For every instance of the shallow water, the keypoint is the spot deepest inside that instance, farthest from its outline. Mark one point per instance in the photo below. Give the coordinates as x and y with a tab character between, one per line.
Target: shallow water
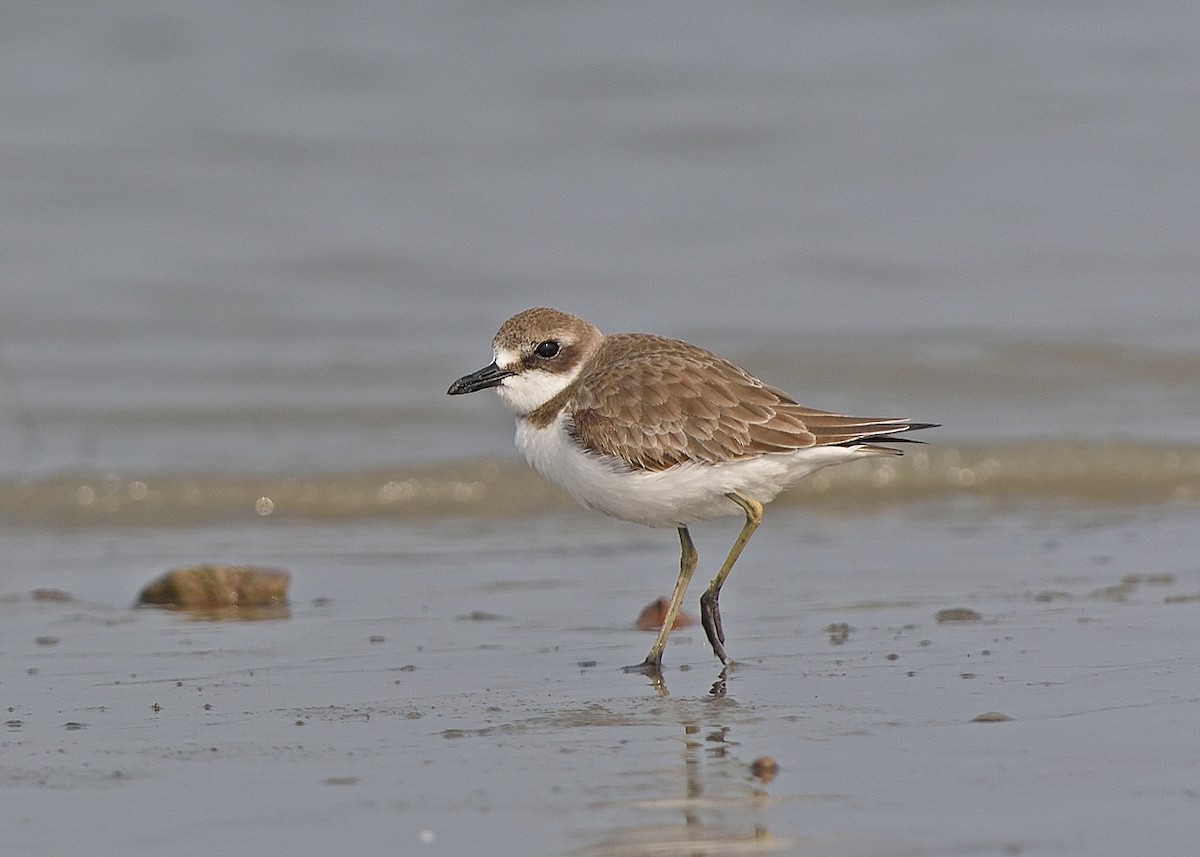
247	248
248	240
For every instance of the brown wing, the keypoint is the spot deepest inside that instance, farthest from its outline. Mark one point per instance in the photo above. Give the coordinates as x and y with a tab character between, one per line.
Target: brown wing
658	402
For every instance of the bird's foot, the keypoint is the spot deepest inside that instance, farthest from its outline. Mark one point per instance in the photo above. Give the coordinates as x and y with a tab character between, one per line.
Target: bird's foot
652	667
710	618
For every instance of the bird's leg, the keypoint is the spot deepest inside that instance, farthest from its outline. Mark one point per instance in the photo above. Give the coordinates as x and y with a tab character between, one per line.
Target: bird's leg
710	612
687	565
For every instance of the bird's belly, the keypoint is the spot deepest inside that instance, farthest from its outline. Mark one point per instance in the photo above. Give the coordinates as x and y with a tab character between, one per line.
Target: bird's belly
674	497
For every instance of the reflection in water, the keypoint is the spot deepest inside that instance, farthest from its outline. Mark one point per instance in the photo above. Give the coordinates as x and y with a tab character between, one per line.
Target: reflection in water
717	801
657	681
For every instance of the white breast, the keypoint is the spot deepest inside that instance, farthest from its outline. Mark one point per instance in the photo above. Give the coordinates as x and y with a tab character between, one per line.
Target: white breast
666	498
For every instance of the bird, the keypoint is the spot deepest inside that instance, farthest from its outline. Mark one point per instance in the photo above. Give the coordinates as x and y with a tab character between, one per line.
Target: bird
661	432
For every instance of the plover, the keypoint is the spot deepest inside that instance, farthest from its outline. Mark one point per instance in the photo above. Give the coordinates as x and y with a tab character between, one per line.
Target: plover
661	432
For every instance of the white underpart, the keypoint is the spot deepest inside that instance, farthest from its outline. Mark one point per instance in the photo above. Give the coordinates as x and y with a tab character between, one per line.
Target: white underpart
529	389
667	498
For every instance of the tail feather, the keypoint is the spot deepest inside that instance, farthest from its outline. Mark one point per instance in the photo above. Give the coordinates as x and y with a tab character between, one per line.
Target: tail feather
887	435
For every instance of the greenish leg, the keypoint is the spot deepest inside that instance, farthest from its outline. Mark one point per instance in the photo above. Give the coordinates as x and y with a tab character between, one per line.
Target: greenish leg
687	565
710	611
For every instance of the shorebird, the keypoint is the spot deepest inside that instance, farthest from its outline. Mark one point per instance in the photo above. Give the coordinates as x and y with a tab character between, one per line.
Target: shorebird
660	432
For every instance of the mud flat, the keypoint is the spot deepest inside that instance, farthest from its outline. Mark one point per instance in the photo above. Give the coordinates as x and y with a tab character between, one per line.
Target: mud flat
1005	683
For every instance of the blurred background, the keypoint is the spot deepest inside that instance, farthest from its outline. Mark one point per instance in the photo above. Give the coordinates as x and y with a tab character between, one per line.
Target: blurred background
262	238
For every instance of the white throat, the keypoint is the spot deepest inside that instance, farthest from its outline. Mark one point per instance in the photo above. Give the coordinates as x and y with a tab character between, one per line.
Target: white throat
529	389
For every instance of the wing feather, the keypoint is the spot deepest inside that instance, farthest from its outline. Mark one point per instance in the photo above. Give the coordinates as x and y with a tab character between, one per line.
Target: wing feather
658	402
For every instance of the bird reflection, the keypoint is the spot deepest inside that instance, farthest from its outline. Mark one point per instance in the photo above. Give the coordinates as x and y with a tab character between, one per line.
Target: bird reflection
719	802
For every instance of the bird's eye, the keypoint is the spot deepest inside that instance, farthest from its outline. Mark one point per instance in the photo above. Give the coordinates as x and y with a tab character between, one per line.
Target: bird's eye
547	349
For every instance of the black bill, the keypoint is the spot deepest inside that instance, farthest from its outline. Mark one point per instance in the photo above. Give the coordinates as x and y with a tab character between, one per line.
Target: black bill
488	376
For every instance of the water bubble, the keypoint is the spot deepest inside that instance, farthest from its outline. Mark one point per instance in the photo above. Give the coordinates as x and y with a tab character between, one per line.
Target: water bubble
885	474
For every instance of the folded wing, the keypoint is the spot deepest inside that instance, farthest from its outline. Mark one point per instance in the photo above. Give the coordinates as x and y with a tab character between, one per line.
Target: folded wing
677	403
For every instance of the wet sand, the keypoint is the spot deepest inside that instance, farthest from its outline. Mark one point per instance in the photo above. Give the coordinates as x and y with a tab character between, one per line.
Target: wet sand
455	688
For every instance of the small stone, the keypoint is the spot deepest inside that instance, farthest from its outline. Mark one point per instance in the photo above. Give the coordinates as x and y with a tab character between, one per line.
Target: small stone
839	632
221	591
991	717
655	613
764	768
958	614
